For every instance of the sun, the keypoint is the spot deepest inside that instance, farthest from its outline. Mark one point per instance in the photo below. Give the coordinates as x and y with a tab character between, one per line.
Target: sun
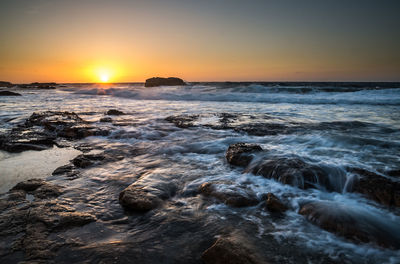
104	77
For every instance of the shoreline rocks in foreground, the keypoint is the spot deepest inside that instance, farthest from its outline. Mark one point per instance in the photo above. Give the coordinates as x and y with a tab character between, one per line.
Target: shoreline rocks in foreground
159	81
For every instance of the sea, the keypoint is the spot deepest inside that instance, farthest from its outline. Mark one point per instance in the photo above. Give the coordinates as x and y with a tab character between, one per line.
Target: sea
331	125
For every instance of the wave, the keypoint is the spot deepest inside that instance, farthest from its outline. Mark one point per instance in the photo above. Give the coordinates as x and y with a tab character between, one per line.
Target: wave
253	93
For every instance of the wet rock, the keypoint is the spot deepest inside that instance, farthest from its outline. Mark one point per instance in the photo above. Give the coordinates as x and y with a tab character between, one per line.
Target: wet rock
274	204
241	154
182	121
8	93
137	198
106	119
42	130
230	195
355	224
376	187
230	250
47	191
39	188
31	227
159	81
266	129
29	185
114	112
297	172
394	173
87	160
63	169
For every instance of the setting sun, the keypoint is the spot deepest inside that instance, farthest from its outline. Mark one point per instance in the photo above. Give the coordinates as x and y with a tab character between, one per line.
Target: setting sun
104	78
104	75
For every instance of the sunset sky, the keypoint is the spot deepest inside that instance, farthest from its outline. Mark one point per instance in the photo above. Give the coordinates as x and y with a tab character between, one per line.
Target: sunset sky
127	40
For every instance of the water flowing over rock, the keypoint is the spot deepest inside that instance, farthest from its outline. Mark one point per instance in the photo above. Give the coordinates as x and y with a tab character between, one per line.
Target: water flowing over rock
159	81
234	196
355	224
240	154
8	93
377	187
274	204
297	172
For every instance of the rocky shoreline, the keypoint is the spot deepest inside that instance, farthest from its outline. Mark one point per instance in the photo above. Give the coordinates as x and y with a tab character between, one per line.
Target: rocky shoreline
35	212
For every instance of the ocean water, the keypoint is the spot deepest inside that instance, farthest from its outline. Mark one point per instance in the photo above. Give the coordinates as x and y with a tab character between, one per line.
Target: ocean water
333	126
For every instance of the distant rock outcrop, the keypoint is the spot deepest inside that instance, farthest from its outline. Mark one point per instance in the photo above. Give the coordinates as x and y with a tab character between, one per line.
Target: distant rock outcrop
8	93
5	84
159	81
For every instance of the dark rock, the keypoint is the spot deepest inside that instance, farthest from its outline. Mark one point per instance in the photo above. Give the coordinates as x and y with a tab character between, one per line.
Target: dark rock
376	187
266	129
297	172
229	250
29	185
63	169
39	188
114	112
42	130
241	154
87	160
106	119
228	194
137	198
394	173
5	84
47	191
8	93
355	224
274	204
182	121
159	81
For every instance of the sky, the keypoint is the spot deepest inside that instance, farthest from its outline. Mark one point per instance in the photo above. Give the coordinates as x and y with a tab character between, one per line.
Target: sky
129	41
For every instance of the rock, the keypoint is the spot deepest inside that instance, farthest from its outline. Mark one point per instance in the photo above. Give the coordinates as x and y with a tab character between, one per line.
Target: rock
115	112
63	169
394	173
274	204
136	198
376	187
241	154
5	84
182	121
32	227
355	224
230	250
87	160
230	195
41	131
297	172
29	185
39	188
159	81
47	191
8	93
106	119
